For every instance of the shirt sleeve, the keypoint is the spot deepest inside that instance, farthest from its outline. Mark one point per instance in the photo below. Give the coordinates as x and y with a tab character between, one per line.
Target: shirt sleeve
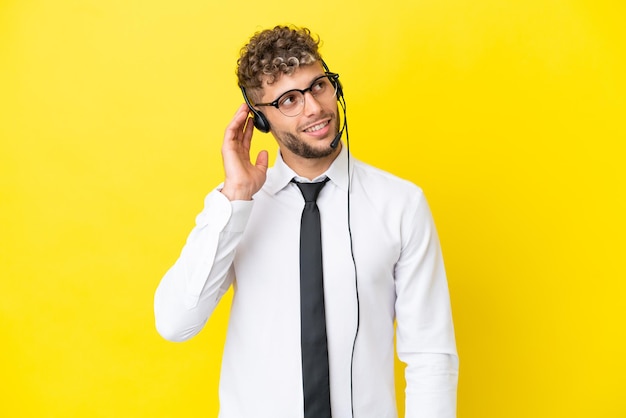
192	287
425	332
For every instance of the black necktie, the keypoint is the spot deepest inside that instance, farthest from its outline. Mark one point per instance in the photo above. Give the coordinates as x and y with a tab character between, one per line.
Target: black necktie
315	378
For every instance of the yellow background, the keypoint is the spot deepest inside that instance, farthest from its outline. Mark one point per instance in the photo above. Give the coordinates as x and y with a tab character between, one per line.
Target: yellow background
509	114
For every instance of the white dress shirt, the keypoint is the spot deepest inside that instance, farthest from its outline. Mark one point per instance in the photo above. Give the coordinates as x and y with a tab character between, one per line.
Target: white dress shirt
254	246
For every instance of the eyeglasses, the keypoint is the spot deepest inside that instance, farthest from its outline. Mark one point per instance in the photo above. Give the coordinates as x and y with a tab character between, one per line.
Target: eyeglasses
291	103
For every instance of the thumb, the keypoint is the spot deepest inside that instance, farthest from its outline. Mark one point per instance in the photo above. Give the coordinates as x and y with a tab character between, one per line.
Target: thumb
261	161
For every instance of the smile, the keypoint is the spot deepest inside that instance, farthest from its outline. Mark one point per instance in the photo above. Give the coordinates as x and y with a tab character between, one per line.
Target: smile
317	127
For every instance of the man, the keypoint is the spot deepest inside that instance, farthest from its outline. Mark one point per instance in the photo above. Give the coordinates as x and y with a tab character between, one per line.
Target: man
379	262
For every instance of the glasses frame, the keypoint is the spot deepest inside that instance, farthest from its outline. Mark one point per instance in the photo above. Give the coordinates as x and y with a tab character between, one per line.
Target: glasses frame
333	77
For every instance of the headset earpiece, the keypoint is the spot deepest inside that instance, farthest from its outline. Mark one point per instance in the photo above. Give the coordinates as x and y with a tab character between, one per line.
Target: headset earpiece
339	87
339	90
259	119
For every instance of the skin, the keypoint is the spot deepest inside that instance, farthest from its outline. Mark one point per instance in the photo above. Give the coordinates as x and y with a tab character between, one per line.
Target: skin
307	153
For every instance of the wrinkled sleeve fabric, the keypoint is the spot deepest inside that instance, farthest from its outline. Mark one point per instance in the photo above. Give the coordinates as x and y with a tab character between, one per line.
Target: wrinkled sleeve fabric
425	332
192	287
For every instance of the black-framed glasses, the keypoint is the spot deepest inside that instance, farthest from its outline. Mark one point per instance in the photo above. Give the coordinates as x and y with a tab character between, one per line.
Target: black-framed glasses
291	102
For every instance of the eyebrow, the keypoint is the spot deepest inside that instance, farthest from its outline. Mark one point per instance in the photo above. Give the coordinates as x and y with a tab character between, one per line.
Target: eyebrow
309	85
287	91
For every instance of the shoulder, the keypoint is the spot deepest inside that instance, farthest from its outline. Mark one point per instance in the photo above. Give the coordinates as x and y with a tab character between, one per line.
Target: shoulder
384	198
375	181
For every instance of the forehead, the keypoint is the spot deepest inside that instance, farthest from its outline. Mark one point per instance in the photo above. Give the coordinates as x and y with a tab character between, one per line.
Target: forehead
301	78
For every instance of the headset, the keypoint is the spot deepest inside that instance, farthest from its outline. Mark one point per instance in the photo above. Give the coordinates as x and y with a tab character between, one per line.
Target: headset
260	121
263	125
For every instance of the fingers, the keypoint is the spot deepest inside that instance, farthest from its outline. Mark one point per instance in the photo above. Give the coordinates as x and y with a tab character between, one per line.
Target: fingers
248	130
262	160
243	179
235	128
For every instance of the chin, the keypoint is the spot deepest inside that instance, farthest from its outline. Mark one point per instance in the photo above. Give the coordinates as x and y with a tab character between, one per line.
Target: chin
300	145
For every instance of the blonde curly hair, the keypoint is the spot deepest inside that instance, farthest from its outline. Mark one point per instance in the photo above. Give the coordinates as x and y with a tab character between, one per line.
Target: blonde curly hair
274	52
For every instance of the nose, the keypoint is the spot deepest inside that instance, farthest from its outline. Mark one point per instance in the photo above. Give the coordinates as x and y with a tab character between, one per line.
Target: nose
311	105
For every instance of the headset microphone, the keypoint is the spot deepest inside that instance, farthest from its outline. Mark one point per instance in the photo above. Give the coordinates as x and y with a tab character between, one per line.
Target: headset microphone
335	142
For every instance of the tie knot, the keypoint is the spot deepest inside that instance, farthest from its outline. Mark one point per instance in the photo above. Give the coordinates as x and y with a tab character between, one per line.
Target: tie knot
310	191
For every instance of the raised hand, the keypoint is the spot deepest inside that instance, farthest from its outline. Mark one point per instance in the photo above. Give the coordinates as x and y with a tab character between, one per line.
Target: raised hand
243	179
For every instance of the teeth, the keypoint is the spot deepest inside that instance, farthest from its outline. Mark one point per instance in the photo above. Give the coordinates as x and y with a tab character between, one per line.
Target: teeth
316	127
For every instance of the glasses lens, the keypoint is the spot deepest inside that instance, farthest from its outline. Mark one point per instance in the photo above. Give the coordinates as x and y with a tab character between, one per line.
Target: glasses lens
292	102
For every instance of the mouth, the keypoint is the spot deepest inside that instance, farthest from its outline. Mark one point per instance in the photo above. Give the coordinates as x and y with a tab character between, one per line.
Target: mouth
318	126
320	129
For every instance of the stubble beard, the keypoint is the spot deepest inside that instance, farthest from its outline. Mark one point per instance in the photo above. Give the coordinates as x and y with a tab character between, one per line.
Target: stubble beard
297	146
300	148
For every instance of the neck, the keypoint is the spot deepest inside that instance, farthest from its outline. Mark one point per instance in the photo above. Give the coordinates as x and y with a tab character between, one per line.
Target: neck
309	168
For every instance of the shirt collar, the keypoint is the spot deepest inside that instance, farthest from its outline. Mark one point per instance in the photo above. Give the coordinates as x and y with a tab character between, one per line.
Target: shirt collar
279	176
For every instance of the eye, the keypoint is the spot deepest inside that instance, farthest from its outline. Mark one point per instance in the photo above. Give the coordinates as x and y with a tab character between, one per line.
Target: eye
319	85
289	99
